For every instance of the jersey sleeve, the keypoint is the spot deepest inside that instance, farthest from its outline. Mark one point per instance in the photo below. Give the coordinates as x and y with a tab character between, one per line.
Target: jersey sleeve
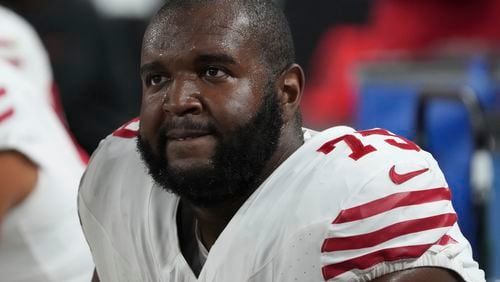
401	217
23	124
21	47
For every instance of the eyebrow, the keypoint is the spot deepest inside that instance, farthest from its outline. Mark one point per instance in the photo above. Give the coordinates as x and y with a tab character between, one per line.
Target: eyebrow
148	67
200	59
215	58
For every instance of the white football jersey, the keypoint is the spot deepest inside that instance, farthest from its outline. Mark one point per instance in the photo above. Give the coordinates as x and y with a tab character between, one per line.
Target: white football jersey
40	238
346	206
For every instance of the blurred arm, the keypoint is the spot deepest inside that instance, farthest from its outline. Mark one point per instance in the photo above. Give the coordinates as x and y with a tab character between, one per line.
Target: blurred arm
18	176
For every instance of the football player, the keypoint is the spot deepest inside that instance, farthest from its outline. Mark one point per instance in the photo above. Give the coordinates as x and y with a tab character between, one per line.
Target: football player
218	181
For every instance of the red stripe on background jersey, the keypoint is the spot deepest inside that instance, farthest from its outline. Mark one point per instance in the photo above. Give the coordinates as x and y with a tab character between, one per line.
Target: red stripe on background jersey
371	259
387	233
6	115
3	91
14	62
391	202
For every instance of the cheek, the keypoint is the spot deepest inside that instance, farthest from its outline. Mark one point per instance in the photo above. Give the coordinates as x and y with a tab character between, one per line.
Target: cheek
236	105
151	117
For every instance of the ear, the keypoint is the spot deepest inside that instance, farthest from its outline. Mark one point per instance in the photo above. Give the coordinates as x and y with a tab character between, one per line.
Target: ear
291	86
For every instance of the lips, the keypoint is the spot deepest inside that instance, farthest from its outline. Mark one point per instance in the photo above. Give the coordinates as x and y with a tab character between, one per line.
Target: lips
185	134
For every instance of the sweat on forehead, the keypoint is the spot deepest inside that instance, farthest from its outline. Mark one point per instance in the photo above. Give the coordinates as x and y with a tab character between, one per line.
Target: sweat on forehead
196	21
259	20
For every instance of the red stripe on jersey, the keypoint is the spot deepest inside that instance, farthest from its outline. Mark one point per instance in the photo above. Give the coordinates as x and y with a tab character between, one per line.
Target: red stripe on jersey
7	114
369	260
3	91
391	202
124	132
445	240
387	233
16	62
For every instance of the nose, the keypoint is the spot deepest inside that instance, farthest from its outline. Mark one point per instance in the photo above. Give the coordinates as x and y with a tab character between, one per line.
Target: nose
183	98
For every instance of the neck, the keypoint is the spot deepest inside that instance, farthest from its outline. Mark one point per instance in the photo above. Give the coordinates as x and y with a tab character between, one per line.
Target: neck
212	220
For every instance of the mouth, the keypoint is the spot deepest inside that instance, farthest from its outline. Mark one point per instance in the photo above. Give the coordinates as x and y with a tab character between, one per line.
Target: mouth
185	146
185	135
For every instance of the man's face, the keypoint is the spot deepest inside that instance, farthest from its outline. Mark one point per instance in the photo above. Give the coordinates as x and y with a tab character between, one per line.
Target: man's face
209	116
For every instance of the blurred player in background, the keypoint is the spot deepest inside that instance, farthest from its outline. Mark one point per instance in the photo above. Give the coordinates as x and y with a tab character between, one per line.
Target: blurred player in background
40	166
237	190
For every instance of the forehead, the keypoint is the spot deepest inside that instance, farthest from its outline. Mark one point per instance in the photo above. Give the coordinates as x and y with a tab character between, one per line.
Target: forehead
203	29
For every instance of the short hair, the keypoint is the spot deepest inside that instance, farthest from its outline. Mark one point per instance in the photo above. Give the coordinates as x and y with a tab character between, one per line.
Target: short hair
268	26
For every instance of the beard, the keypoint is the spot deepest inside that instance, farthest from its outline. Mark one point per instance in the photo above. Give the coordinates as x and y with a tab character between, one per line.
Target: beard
238	160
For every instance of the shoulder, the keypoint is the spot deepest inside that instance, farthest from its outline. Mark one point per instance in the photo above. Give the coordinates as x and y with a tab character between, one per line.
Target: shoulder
22	48
360	157
341	167
13	19
113	157
396	212
115	169
12	25
20	43
120	143
117	204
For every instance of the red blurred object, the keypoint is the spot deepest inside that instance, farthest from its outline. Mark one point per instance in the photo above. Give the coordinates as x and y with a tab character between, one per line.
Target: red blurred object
396	26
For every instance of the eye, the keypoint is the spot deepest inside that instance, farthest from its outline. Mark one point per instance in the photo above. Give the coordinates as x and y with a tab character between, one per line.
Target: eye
155	80
214	72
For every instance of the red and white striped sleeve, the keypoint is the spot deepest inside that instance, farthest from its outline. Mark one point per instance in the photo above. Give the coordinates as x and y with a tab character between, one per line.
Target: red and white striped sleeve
6	108
27	125
402	218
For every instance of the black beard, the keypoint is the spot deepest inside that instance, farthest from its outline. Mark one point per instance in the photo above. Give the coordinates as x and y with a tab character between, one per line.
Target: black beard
237	163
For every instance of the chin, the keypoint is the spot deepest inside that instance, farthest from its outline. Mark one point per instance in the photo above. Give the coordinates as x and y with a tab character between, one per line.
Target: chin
191	165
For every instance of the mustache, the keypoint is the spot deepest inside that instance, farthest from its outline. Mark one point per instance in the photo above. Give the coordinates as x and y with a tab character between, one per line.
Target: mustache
187	124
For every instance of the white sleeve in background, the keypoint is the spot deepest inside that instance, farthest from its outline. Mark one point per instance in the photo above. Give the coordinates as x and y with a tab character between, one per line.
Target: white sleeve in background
41	237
